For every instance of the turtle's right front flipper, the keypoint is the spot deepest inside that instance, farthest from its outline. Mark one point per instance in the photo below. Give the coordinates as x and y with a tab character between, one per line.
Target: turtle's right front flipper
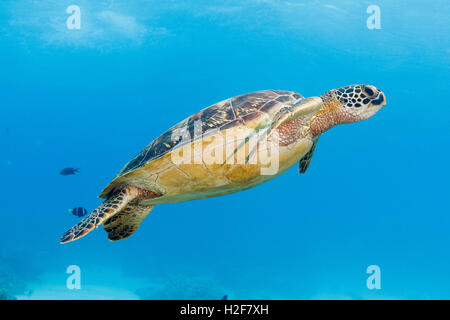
126	222
106	210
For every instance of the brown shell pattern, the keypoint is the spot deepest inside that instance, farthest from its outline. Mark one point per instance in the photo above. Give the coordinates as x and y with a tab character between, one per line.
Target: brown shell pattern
220	116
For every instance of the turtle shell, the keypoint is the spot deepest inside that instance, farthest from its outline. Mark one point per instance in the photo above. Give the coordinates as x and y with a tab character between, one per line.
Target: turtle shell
248	109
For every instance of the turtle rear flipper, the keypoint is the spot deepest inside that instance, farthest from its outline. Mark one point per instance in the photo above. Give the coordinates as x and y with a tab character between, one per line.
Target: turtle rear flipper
126	222
107	209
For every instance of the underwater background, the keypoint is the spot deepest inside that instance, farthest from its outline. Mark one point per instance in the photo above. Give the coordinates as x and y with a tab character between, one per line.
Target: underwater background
376	192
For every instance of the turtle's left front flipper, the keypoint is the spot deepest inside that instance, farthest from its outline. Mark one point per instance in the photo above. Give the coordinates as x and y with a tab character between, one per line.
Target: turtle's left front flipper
107	209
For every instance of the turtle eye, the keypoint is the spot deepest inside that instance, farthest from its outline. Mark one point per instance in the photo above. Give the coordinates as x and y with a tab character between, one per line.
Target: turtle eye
370	91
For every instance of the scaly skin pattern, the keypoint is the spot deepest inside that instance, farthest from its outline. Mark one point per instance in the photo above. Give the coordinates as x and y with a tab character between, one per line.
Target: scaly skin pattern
107	209
345	105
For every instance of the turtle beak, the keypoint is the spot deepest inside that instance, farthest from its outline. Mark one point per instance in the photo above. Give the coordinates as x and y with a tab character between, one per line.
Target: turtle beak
380	100
383	97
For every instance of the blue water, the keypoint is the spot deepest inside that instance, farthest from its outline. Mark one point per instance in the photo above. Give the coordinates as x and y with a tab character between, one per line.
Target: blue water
376	192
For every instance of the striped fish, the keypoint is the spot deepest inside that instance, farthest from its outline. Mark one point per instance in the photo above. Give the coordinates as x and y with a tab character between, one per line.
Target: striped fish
78	211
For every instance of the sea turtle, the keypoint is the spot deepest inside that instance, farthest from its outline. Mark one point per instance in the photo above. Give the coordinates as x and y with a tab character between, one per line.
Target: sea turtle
224	149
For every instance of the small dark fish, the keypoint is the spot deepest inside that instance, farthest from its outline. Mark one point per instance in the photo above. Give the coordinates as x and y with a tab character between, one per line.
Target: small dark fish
225	297
69	171
78	211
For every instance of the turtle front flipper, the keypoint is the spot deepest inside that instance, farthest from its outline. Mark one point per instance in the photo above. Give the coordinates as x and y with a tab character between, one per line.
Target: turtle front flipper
126	222
304	162
107	209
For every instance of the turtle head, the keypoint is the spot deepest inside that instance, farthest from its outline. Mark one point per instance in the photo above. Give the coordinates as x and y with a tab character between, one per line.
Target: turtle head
347	104
358	102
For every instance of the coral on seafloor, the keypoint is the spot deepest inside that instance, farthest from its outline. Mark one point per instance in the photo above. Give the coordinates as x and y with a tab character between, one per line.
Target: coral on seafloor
180	287
18	269
6	295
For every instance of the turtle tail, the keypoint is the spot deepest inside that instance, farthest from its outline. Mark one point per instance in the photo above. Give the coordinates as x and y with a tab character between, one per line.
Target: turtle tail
107	209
